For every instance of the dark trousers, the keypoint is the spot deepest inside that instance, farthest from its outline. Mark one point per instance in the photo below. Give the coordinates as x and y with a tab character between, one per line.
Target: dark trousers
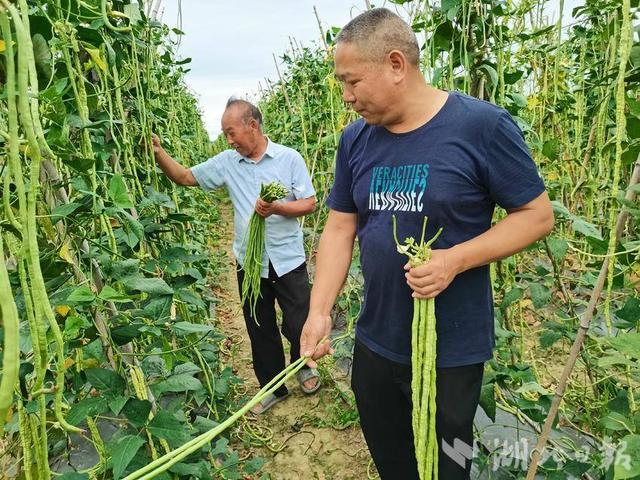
383	395
292	293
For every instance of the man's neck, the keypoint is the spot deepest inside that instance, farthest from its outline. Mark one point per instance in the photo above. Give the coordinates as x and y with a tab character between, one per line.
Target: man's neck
261	148
421	104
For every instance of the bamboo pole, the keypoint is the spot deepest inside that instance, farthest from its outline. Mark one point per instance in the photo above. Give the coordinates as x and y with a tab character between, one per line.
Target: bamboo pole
324	41
282	84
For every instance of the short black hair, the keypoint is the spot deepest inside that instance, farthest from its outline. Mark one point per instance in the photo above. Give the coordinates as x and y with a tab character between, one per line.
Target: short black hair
379	31
250	110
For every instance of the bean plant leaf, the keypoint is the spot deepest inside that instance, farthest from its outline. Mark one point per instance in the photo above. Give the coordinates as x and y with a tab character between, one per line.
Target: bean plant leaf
193	470
511	296
110	294
185	328
106	381
153	286
177	383
558	247
118	192
137	411
81	295
635	56
166	425
87	407
96	56
492	73
64	210
587	229
540	295
123	452
42	55
626	343
117	403
551	149
616	422
630	311
488	400
560	209
74	476
132	11
548	338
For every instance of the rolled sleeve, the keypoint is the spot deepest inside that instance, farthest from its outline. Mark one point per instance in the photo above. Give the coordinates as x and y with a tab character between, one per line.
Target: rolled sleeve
211	173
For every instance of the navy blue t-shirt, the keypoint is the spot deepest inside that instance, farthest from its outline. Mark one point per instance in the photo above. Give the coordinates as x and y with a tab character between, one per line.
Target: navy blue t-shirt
454	169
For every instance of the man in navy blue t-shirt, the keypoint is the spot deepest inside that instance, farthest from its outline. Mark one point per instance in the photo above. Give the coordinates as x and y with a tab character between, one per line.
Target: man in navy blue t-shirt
419	151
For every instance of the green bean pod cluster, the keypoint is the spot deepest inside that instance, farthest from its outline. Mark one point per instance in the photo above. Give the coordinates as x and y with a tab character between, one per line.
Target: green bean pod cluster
423	362
252	264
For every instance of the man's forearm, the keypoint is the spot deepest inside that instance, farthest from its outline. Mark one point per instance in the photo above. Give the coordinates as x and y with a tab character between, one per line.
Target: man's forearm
172	169
297	208
332	264
510	235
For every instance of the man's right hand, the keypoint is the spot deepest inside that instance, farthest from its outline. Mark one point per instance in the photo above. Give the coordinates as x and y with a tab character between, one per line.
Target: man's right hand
176	172
155	141
316	328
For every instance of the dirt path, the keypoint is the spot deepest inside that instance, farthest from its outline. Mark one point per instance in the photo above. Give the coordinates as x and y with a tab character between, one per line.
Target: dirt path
298	427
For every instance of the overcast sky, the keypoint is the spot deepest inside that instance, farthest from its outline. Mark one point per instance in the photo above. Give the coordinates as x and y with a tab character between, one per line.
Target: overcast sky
232	43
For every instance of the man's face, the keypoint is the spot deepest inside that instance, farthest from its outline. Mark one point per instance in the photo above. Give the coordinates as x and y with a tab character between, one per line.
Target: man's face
240	135
367	85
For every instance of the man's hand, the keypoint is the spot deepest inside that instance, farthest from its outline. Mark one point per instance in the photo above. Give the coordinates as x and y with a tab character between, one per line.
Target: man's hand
266	209
433	277
155	141
176	172
316	328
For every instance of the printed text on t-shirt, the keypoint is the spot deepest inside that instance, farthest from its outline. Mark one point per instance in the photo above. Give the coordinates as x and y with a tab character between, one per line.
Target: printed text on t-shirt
400	188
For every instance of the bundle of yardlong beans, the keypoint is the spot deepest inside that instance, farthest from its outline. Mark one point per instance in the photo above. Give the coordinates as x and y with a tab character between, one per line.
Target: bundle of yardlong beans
252	266
423	362
168	460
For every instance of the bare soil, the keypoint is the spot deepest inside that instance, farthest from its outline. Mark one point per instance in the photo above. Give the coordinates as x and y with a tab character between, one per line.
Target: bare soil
296	443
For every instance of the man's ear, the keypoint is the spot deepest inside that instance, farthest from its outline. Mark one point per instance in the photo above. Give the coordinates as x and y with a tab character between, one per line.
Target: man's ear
398	63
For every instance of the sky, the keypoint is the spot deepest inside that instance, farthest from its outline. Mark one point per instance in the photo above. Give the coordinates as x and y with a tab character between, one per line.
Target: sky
231	43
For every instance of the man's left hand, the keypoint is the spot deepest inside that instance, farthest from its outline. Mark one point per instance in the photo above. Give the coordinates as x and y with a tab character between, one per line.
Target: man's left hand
266	209
430	279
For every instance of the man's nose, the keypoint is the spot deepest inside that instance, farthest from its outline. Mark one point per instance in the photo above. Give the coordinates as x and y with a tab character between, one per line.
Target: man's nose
348	96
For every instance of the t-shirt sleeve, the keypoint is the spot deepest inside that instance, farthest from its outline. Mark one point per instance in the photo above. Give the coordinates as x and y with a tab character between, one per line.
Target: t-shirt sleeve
301	185
341	196
512	176
211	173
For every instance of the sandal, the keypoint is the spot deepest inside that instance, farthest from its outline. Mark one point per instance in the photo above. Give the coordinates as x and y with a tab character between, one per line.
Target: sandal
305	375
267	402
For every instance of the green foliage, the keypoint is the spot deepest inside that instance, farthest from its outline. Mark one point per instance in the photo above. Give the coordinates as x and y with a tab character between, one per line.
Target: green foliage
125	256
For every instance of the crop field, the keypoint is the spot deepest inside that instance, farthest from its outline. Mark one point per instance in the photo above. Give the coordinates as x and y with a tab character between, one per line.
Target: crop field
123	351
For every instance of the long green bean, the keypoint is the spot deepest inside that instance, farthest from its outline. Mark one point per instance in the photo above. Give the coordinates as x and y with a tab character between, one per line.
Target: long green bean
11	355
252	263
423	362
166	461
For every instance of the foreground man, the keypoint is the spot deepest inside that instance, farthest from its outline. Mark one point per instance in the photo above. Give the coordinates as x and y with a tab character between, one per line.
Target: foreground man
255	160
419	151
